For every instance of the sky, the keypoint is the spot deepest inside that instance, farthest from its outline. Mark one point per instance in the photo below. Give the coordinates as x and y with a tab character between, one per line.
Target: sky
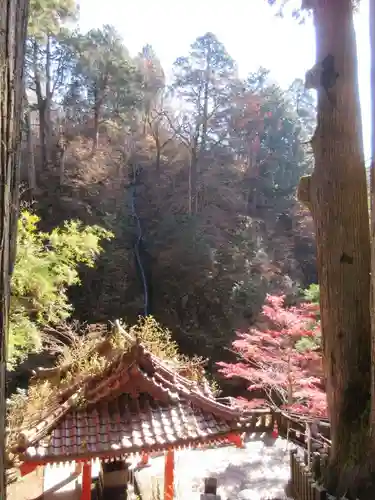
249	29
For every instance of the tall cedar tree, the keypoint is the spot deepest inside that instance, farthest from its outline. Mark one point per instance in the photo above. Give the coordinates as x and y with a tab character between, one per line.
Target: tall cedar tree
336	195
13	27
372	198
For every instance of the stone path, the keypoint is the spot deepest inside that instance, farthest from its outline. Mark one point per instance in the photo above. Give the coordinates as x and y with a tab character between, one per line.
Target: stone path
27	488
259	471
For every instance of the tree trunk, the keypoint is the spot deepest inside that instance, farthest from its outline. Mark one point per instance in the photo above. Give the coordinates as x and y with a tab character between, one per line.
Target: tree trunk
48	103
372	200
206	96
41	103
336	194
158	153
13	25
203	135
95	139
193	174
42	132
99	95
31	173
61	150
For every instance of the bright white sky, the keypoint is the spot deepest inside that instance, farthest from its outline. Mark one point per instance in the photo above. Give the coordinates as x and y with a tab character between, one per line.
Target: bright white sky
248	28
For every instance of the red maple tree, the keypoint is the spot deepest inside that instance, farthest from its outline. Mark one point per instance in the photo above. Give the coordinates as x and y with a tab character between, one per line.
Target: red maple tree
282	356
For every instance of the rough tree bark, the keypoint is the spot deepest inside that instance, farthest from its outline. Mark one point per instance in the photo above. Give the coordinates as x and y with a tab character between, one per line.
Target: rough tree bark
336	194
372	201
13	26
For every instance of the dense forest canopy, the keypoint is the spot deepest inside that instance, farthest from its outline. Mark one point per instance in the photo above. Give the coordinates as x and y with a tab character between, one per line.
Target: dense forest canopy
196	178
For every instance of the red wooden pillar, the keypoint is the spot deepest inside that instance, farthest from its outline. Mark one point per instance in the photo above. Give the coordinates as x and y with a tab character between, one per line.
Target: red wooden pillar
169	476
236	439
86	481
144	460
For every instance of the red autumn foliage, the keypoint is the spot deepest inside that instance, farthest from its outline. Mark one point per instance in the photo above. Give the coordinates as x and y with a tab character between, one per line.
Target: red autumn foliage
282	356
248	120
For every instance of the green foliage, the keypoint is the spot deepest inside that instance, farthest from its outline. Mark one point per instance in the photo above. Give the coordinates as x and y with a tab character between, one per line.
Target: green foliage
149	66
207	66
312	294
309	343
46	265
48	51
47	16
204	82
103	77
288	122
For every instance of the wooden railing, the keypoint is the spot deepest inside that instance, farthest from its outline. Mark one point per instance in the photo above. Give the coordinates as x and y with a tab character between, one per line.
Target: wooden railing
259	421
306	476
309	434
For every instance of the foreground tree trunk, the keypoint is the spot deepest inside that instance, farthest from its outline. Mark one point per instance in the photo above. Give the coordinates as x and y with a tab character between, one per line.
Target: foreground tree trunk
336	194
372	200
13	25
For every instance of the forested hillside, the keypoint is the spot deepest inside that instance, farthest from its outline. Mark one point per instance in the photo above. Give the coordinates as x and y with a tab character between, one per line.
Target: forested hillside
195	176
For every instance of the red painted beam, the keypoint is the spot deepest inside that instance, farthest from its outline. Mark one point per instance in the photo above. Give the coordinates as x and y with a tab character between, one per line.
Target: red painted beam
27	468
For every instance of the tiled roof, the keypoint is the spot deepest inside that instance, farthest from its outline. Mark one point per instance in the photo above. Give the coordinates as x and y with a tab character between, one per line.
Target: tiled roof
138	403
129	425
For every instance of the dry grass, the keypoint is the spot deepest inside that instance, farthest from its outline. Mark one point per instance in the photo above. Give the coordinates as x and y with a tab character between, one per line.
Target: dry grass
159	342
29	405
88	355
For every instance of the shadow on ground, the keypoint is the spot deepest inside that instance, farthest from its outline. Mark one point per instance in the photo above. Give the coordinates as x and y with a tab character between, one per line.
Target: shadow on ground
258	471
